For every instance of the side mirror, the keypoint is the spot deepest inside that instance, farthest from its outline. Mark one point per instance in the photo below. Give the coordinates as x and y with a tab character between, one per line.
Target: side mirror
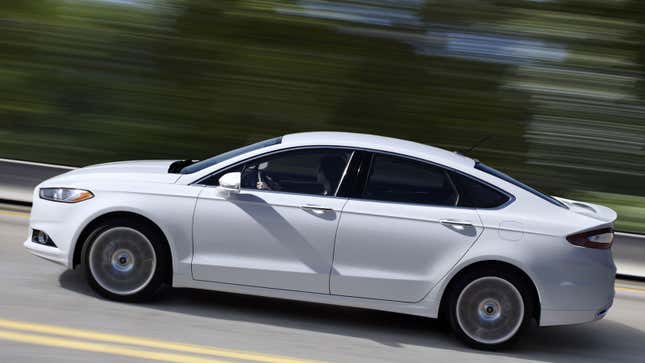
230	182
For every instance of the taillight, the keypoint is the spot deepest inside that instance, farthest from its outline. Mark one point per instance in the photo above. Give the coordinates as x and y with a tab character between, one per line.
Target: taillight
599	238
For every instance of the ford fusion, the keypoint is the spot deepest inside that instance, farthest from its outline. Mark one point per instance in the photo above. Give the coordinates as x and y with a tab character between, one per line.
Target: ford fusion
336	218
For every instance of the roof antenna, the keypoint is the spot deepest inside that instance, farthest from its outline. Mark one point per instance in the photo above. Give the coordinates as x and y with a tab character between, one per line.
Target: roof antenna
483	140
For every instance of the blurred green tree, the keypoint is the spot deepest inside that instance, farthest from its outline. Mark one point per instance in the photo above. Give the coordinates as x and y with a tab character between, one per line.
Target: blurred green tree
557	85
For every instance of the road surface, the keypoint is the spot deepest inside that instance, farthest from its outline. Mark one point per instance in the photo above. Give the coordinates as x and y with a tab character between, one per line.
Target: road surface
48	314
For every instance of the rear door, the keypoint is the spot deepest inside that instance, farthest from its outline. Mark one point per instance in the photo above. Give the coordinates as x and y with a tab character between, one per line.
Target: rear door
401	231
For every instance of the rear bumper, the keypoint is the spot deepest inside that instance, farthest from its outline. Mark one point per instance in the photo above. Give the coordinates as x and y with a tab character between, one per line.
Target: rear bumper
569	317
576	286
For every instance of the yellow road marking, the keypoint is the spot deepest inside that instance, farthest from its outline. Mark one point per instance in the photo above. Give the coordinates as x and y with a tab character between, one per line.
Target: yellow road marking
148	343
102	348
13	214
629	289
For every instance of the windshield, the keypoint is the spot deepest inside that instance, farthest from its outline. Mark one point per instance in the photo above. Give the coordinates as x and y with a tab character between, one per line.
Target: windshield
487	169
229	154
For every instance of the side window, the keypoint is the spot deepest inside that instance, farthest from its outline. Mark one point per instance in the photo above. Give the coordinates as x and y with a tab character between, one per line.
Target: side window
308	171
396	179
475	194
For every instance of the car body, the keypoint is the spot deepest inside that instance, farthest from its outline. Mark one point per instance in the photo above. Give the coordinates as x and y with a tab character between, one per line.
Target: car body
338	218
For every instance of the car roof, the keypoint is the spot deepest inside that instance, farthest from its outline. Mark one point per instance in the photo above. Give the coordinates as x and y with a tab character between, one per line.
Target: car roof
374	142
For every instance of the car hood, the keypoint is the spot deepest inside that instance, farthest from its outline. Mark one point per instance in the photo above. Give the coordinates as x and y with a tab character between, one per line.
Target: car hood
595	211
154	171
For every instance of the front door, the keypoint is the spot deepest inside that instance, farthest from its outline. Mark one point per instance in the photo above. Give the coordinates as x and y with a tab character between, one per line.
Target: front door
278	231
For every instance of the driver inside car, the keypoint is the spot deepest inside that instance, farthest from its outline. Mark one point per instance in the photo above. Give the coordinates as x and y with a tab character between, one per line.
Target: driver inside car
265	182
326	178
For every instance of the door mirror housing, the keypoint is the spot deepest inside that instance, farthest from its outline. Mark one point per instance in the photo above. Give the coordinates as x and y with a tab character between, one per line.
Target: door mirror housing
231	182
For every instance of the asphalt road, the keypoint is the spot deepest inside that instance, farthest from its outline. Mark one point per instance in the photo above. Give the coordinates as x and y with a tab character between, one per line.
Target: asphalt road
48	314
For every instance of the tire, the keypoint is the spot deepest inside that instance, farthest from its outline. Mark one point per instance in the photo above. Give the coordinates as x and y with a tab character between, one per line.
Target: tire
489	309
126	260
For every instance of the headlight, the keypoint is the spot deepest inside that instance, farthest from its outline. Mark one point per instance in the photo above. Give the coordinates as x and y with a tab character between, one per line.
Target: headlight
65	195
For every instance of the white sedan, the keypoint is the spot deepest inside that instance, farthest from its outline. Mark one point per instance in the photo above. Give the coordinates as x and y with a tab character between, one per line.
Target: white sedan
336	218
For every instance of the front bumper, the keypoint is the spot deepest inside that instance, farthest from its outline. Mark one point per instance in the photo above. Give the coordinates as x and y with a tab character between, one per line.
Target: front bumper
49	253
61	222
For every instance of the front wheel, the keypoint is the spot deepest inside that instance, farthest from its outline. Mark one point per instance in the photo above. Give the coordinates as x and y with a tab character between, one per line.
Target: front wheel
125	261
488	310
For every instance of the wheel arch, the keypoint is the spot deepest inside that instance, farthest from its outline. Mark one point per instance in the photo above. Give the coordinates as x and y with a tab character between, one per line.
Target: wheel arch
114	215
497	265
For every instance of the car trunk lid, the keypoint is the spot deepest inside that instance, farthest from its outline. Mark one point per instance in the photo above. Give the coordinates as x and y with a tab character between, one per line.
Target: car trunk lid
595	211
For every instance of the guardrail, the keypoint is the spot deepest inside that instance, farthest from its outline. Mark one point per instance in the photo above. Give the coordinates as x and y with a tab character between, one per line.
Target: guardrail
19	178
629	254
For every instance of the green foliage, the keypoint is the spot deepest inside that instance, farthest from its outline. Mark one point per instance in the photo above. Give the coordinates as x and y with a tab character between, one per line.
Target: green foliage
630	208
91	81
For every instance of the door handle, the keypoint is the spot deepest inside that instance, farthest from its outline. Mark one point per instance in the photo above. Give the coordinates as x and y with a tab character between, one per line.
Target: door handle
452	222
313	207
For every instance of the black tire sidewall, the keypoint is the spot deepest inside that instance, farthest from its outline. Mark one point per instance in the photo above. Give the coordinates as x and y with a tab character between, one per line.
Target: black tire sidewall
160	275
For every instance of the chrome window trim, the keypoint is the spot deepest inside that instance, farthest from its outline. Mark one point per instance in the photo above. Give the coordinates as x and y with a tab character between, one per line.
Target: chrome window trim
511	197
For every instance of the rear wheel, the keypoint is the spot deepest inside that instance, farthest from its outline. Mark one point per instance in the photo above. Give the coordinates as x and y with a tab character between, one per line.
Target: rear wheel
125	261
488	309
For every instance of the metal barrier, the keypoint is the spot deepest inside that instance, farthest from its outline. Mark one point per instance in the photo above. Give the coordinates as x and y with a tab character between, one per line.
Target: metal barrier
19	178
629	254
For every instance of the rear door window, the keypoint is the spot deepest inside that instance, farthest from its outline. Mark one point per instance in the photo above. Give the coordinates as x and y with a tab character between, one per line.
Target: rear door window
396	179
